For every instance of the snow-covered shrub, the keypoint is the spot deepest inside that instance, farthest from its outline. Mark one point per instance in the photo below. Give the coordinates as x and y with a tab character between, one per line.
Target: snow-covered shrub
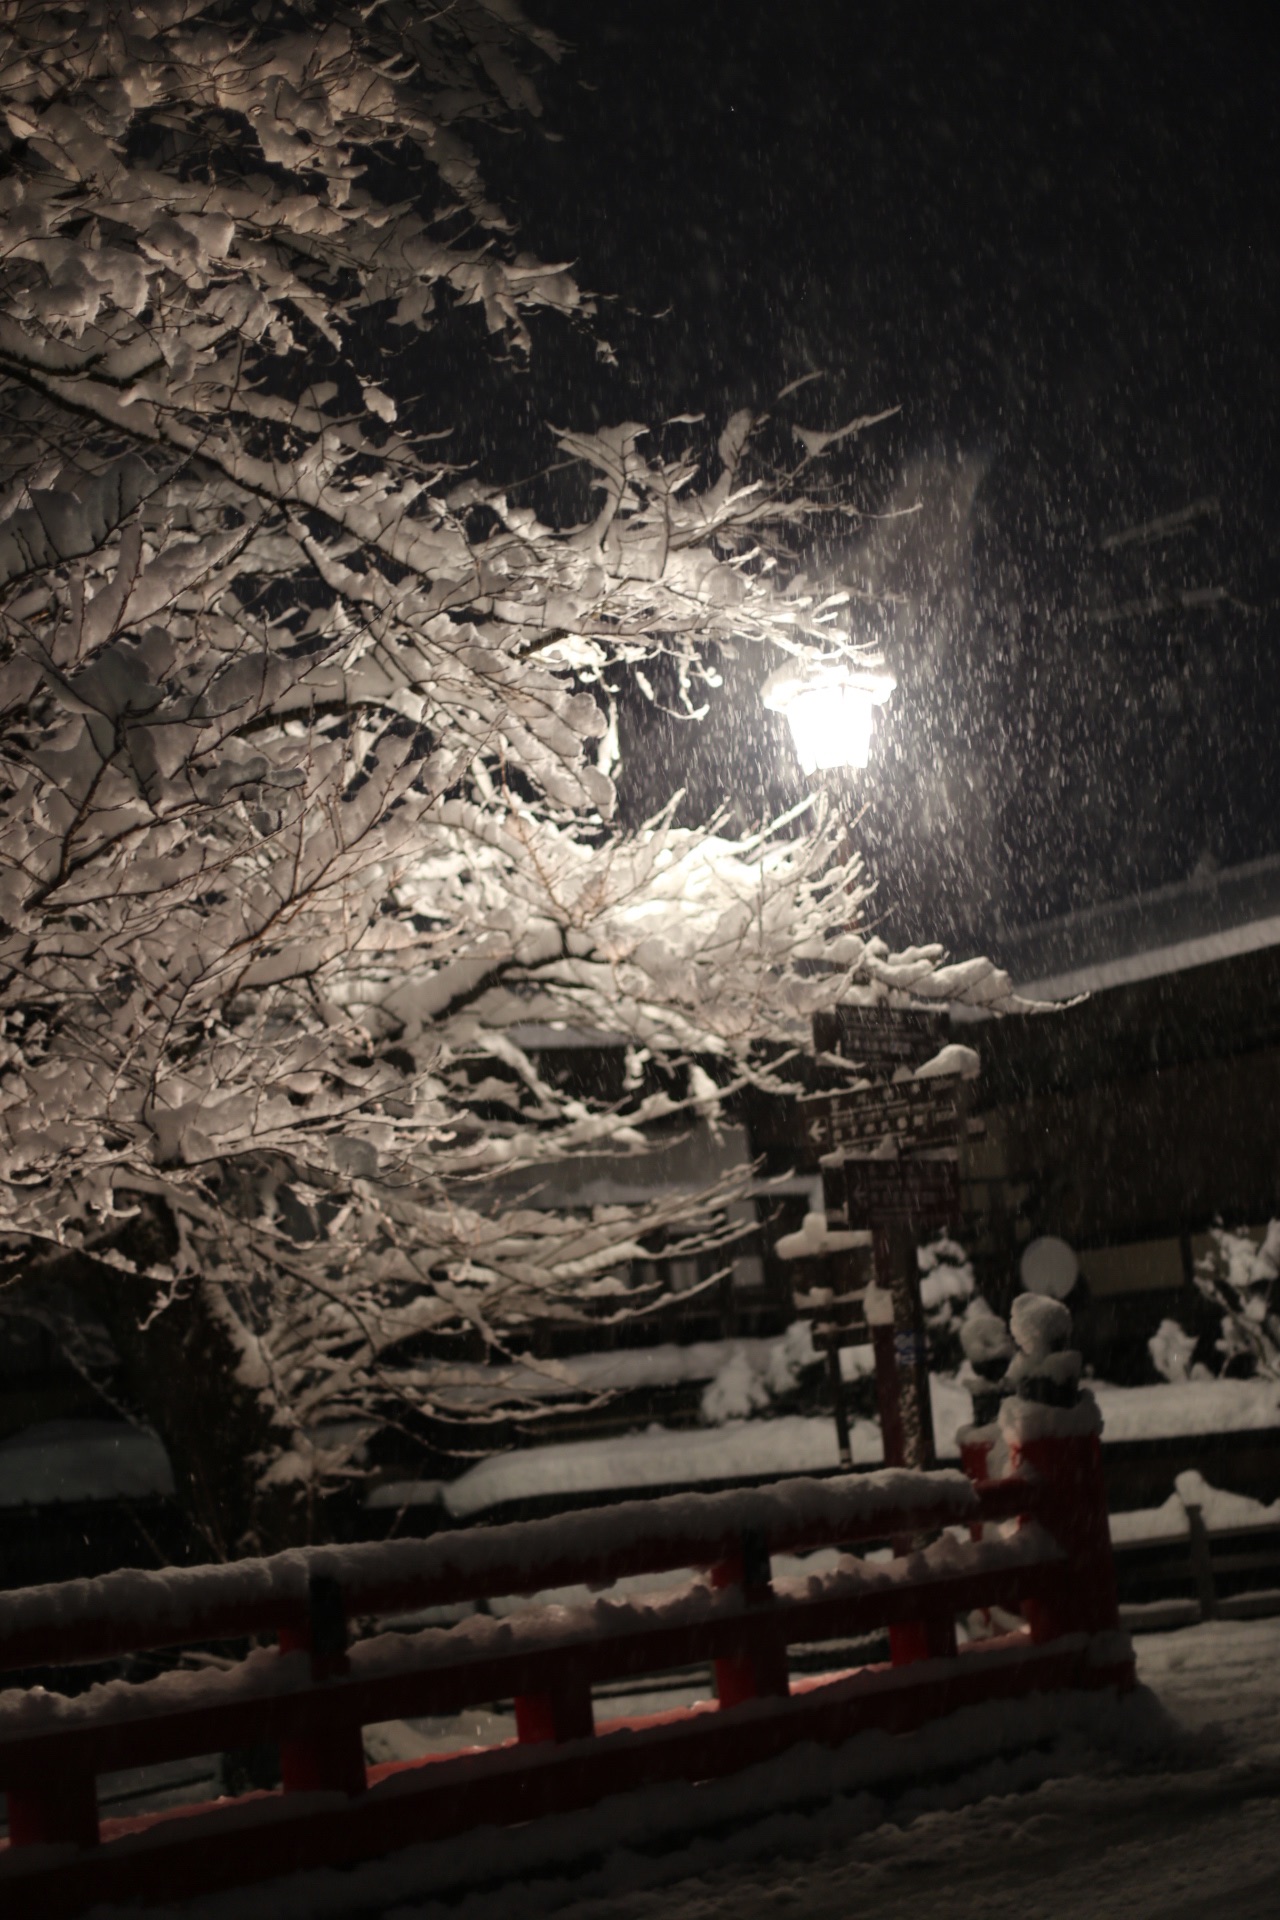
737	1391
985	1339
1029	1360
988	1348
750	1380
1238	1276
1173	1354
1044	1368
947	1288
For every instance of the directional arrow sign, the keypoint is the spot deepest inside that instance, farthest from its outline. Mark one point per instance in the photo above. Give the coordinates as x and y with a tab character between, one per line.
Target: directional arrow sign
912	1113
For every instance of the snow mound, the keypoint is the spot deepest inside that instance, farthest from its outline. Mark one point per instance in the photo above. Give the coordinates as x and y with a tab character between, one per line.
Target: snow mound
68	1460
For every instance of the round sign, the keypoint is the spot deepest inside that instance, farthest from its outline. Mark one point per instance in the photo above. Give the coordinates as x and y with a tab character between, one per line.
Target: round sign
1049	1266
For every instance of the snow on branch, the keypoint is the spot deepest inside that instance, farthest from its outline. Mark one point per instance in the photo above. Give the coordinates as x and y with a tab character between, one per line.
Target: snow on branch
306	726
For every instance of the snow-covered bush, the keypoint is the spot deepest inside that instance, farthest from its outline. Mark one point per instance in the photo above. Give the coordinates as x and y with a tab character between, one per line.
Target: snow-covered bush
1173	1352
738	1391
1238	1277
306	738
947	1288
750	1381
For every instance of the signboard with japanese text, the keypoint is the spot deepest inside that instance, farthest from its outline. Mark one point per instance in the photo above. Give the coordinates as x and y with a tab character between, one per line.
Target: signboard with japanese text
879	1038
923	1193
910	1113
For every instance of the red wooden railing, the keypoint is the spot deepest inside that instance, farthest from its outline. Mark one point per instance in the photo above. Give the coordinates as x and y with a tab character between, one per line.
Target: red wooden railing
313	1696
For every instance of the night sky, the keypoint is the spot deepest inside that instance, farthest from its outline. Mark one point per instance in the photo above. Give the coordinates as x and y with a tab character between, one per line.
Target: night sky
1050	235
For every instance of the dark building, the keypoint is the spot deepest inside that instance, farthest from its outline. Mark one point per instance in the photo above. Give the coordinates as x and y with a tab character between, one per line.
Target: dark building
1134	1120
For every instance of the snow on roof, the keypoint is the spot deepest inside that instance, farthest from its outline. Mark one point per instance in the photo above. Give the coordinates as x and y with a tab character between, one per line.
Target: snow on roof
1212	916
796	1443
671	1457
65	1460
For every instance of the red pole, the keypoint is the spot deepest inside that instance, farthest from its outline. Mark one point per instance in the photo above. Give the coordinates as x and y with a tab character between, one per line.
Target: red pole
1072	1504
332	1758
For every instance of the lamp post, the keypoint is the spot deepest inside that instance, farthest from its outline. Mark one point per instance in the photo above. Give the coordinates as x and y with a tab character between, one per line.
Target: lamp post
830	708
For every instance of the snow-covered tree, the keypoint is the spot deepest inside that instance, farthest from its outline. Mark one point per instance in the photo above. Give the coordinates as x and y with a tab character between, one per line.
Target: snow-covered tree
306	737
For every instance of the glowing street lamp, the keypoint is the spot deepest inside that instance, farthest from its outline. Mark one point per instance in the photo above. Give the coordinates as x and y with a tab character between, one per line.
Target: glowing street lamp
829	707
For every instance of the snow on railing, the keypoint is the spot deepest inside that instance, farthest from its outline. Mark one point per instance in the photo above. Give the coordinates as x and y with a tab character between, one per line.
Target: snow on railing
313	1697
125	1612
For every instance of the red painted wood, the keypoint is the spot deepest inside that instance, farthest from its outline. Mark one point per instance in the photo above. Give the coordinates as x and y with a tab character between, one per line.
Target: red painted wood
1073	1506
563	1712
327	1759
537	1562
592	1660
929	1639
743	1629
58	1812
179	1856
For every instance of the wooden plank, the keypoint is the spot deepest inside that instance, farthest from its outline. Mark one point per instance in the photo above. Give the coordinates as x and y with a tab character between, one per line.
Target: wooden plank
827	1339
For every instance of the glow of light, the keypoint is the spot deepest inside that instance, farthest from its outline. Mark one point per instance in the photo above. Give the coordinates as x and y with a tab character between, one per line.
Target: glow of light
829	709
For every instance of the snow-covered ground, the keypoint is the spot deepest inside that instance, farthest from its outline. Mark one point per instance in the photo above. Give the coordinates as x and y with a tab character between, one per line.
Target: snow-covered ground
82	1460
72	1460
798	1443
1182	1827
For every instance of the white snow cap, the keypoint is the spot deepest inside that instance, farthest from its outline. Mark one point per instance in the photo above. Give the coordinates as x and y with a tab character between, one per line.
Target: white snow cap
815	1237
983	1334
1048	1266
953	1058
1022	1420
1039	1326
877	1305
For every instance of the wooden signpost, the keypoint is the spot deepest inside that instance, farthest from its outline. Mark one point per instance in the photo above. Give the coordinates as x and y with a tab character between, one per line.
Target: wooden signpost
889	1155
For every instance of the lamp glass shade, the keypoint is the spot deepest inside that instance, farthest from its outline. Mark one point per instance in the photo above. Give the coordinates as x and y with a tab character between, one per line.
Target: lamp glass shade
831	726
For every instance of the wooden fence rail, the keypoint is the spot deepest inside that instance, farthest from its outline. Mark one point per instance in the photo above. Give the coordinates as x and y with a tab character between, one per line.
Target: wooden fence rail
312	1695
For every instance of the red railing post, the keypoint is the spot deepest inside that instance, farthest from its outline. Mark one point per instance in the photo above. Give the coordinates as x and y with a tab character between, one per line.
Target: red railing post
760	1671
563	1713
1071	1501
330	1759
975	1452
55	1815
976	1447
932	1638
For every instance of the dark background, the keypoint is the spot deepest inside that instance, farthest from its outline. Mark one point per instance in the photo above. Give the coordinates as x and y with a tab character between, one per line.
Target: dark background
1049	234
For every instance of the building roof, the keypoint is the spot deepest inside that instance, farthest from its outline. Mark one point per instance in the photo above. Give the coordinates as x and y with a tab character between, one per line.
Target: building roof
1211	916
